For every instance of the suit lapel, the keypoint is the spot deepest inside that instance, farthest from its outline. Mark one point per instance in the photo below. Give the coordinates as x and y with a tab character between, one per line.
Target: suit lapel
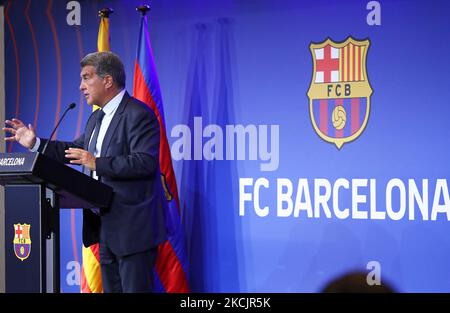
88	132
113	125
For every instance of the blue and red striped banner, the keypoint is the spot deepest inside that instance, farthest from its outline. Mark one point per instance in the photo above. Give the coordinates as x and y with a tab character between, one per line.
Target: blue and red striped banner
171	263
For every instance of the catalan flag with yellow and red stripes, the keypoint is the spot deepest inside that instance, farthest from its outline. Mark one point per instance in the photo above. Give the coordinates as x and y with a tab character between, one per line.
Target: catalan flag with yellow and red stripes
91	278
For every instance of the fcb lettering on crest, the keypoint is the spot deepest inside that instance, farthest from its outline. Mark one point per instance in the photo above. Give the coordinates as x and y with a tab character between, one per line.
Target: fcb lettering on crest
22	241
339	94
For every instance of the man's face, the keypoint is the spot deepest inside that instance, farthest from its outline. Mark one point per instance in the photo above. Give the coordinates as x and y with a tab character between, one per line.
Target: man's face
92	86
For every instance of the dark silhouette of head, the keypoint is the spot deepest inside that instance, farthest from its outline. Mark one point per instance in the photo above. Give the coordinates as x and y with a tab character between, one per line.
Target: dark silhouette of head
355	282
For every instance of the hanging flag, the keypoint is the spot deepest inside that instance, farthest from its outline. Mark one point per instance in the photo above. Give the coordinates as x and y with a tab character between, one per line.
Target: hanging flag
171	263
103	31
91	278
197	215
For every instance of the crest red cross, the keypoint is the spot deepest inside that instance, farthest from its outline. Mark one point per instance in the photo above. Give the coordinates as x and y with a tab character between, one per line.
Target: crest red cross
327	64
18	231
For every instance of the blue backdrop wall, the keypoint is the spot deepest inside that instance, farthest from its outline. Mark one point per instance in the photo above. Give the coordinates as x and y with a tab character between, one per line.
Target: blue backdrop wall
278	208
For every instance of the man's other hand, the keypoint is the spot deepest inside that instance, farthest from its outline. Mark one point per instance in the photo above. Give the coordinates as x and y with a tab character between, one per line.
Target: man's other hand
81	157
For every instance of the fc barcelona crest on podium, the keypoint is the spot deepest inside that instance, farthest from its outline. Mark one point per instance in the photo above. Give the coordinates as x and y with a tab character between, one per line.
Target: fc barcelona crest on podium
339	94
22	241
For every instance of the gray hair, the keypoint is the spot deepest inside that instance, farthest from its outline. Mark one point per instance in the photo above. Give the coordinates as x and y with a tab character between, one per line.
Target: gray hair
106	63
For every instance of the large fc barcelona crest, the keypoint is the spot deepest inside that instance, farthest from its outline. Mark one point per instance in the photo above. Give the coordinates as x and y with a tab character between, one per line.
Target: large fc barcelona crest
339	94
22	241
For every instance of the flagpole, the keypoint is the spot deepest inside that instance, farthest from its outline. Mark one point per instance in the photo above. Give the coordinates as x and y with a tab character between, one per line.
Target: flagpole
143	9
105	12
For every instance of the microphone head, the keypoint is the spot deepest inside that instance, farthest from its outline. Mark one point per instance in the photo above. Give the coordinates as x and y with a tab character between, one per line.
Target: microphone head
72	105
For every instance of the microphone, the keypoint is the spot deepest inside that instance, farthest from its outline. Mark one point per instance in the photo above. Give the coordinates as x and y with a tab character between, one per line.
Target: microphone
70	107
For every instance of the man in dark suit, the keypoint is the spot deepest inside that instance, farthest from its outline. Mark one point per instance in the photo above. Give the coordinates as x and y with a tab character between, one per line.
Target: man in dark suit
120	147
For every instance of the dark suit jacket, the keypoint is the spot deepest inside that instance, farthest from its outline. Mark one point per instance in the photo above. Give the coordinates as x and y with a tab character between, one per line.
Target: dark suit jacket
129	163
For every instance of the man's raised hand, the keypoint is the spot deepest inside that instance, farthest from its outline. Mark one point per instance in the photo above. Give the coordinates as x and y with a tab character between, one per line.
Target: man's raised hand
26	136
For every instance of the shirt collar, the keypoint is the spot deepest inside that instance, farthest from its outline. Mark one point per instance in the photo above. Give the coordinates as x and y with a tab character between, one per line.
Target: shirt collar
113	104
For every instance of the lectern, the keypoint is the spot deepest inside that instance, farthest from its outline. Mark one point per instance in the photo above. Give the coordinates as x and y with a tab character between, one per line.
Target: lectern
36	187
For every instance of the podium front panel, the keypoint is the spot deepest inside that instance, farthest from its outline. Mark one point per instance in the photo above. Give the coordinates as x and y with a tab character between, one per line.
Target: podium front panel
23	250
36	187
